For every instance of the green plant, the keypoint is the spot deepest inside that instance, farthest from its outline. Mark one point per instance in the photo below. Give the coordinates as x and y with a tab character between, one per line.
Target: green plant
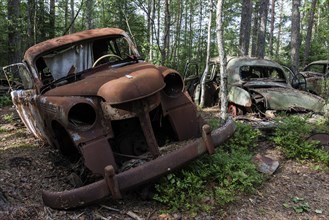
5	100
8	117
290	136
213	180
299	205
213	123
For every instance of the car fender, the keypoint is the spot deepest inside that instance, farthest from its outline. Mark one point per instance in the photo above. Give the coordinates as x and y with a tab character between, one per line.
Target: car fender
239	96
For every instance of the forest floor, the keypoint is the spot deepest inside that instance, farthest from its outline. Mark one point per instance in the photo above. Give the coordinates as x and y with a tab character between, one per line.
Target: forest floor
295	191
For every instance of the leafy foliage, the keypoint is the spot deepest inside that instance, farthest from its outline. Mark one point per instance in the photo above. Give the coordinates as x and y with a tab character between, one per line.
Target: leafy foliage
291	136
5	100
213	180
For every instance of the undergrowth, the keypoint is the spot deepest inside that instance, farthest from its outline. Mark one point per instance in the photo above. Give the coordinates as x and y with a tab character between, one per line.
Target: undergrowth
213	181
5	100
291	136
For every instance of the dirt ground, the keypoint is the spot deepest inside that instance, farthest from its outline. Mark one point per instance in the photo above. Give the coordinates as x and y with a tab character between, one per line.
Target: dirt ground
27	166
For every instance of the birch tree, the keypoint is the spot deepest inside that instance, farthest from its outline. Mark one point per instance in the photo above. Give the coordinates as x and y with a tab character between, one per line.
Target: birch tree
206	70
222	60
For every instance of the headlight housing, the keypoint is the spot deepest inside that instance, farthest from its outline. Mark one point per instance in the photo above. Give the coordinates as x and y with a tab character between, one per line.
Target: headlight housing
82	116
174	84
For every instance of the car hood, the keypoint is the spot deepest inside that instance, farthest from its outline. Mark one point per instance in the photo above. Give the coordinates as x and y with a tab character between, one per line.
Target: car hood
289	99
115	85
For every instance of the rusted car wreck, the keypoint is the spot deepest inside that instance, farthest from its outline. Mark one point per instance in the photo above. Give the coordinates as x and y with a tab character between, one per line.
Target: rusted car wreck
257	85
92	96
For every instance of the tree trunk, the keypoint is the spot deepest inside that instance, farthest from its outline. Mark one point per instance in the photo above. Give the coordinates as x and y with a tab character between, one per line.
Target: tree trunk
89	14
150	26
309	32
30	22
66	14
175	48
262	31
165	38
14	31
277	49
52	19
199	53
272	27
206	70
222	58
255	28
295	35
72	29
245	26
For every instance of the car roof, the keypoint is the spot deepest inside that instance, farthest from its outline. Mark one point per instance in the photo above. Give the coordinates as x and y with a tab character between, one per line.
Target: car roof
250	61
320	62
48	45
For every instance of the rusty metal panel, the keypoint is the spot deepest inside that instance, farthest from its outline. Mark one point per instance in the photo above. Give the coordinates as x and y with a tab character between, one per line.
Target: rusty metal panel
182	114
139	175
97	155
130	109
25	104
135	85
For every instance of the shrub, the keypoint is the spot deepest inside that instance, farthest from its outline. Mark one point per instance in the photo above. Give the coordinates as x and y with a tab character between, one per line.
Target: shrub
213	180
291	135
5	100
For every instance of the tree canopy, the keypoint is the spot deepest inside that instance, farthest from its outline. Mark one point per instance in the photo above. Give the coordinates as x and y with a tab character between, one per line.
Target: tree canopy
172	32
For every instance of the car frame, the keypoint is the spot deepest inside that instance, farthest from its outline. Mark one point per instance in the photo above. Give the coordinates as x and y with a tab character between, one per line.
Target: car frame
316	76
108	113
248	93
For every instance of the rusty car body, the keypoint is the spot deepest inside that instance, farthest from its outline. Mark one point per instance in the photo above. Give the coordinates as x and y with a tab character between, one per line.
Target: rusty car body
256	85
316	77
90	95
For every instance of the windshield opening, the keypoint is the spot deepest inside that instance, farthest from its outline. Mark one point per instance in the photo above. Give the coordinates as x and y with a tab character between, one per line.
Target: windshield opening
76	58
261	72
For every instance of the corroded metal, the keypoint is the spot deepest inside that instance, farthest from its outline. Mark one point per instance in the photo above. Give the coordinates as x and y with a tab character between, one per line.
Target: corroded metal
206	135
107	113
139	175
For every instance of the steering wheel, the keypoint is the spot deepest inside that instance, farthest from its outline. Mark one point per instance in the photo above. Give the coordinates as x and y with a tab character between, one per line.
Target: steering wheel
299	82
104	56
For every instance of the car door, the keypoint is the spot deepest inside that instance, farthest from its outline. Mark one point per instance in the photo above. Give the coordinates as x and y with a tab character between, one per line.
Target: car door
24	95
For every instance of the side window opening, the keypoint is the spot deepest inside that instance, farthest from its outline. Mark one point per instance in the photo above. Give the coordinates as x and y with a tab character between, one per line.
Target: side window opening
18	76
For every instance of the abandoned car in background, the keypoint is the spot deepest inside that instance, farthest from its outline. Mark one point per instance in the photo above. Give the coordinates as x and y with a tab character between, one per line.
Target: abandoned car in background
92	96
255	85
316	77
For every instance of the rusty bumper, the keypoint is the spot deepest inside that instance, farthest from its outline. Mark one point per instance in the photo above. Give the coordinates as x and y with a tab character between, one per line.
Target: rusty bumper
113	184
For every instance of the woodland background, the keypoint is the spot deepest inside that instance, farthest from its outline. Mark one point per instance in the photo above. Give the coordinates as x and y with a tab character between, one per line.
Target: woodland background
172	32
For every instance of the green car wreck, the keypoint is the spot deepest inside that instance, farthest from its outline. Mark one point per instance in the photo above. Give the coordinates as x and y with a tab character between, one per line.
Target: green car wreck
257	85
316	77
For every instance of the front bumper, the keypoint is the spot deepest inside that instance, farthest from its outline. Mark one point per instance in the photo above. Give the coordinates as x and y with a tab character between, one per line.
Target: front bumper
114	184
